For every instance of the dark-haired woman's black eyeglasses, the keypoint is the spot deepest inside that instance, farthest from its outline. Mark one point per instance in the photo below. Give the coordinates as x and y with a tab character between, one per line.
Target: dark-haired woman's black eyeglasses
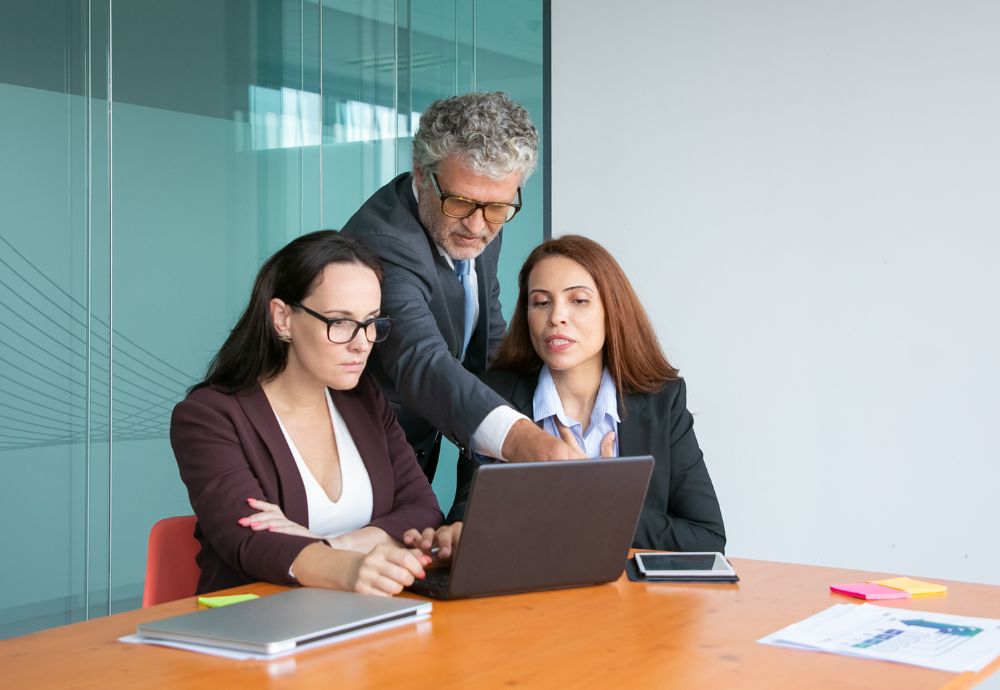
342	330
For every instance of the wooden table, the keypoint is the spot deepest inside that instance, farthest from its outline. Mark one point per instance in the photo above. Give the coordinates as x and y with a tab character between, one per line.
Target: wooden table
624	635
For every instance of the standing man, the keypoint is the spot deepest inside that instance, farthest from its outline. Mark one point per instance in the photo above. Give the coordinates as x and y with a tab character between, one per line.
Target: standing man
437	231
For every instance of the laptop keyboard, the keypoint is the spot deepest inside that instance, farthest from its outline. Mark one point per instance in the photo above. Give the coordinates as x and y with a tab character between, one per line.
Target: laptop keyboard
435	584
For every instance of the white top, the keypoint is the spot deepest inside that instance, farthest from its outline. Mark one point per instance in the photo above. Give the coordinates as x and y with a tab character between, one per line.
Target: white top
354	508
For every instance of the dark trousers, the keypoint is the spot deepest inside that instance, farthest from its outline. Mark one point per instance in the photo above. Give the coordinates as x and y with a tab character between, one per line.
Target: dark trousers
427	450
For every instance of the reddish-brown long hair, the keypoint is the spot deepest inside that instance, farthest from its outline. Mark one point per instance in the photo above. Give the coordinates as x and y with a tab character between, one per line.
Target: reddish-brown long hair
632	351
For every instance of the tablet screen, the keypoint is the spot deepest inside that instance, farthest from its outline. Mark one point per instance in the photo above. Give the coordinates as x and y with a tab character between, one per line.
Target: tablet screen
683	563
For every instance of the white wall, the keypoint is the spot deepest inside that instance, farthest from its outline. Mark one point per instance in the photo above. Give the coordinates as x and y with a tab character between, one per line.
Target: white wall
807	197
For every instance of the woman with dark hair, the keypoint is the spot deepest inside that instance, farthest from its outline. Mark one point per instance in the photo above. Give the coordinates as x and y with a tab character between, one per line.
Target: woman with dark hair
294	463
582	360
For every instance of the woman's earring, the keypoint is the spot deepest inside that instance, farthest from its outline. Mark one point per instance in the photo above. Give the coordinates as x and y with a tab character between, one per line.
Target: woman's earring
284	337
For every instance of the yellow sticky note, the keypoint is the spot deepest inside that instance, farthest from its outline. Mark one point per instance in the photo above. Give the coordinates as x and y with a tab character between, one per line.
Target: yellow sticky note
916	588
216	602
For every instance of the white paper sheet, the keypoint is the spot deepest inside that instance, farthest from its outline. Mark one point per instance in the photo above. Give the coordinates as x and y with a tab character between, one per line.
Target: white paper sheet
933	640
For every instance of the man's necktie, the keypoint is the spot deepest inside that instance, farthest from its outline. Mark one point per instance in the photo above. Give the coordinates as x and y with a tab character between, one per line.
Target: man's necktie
463	268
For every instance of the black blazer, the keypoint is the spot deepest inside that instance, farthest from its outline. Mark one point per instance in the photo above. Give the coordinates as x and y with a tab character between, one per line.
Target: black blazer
230	448
681	511
418	364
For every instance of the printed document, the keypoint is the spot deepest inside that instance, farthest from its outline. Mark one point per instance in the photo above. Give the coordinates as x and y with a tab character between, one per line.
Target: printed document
934	640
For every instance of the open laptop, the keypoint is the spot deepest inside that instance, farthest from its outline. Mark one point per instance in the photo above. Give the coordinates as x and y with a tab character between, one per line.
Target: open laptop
544	525
287	620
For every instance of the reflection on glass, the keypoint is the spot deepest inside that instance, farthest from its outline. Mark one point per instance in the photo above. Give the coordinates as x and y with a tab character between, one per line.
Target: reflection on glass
288	118
353	121
277	117
283	118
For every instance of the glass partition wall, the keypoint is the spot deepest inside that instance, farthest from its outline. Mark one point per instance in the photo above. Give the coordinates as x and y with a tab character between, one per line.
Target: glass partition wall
154	154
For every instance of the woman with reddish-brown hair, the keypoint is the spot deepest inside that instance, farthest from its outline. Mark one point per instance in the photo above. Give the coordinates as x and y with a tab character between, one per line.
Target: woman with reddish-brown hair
582	360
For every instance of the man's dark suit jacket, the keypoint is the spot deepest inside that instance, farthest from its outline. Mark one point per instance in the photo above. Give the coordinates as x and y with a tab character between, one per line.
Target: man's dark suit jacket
230	448
681	512
418	364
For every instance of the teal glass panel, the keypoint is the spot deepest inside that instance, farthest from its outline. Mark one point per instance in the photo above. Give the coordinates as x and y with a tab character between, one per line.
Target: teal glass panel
360	121
54	326
215	167
509	53
97	539
136	218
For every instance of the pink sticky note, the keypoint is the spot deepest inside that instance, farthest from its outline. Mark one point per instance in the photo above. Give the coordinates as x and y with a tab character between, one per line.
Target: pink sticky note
865	590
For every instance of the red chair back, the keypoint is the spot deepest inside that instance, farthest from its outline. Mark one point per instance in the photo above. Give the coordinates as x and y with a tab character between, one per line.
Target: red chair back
171	571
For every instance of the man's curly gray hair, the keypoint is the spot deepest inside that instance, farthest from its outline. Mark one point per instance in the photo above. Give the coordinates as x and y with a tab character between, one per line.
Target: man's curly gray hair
488	131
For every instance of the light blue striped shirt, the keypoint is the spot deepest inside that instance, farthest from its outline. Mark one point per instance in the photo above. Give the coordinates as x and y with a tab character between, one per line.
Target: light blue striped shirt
603	418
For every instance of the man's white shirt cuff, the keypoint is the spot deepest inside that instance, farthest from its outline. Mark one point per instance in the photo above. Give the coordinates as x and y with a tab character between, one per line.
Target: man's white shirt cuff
492	432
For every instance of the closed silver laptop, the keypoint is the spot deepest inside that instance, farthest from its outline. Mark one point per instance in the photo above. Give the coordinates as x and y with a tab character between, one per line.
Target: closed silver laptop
285	621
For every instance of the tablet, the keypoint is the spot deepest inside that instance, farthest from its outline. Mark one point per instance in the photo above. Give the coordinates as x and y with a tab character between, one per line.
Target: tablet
700	564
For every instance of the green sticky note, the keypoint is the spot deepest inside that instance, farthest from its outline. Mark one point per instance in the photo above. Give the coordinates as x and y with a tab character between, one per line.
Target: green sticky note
216	602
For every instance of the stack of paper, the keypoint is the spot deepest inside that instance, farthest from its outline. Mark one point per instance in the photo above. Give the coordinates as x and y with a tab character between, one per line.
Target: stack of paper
935	640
